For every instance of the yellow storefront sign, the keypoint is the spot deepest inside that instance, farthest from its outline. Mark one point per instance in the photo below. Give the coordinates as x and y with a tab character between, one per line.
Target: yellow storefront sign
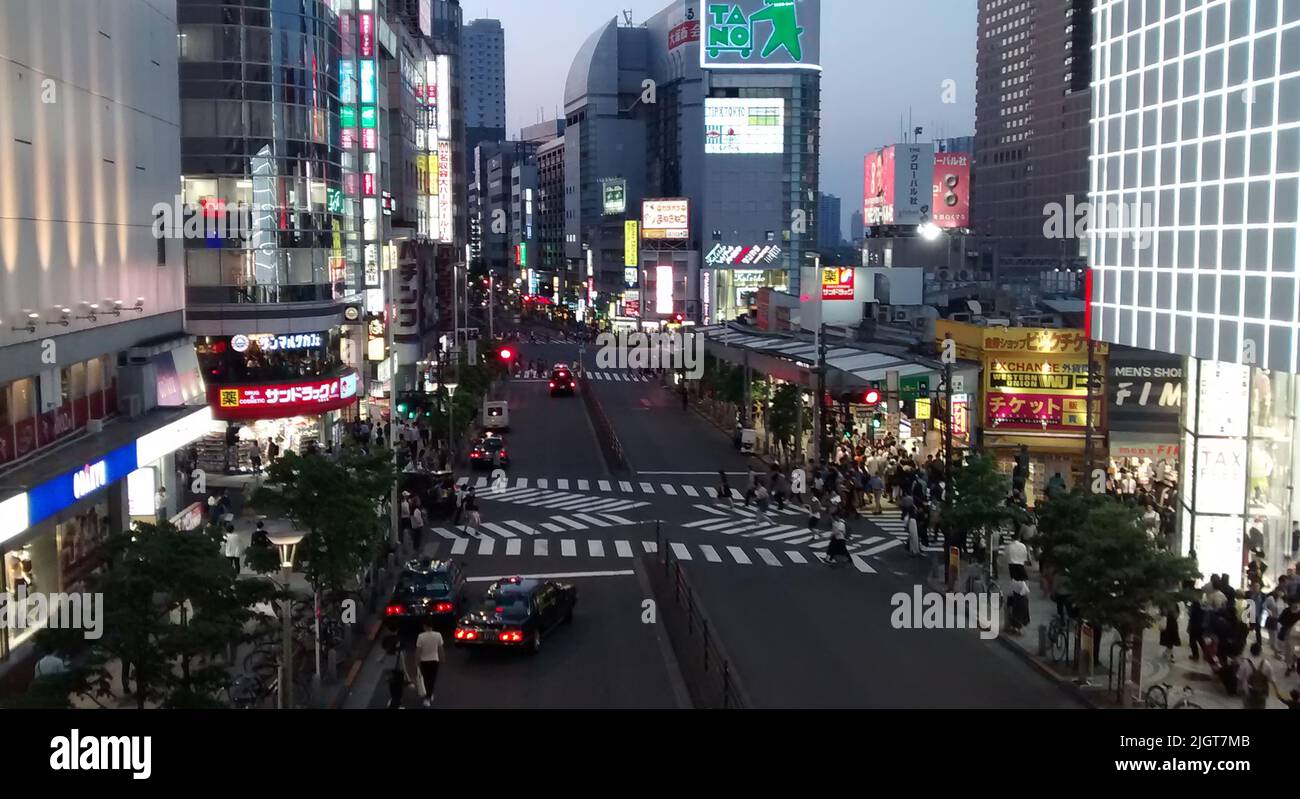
631	243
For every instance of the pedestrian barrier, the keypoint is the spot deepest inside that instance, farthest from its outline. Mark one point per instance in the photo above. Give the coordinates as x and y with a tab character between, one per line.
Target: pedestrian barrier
609	442
707	670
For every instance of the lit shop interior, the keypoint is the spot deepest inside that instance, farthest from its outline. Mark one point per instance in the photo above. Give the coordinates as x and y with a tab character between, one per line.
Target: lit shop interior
1239	454
734	292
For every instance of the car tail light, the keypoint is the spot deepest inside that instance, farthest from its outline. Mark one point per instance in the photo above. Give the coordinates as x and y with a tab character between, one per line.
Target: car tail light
511	636
470	635
552	384
442	607
476	454
395	610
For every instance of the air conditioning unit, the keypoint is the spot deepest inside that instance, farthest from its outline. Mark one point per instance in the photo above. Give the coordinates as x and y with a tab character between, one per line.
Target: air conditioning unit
960	317
95	426
131	405
943	275
965	274
902	316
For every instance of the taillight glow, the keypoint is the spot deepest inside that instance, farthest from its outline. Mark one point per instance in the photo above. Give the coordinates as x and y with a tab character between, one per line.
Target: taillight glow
395	610
511	636
442	607
552	384
460	635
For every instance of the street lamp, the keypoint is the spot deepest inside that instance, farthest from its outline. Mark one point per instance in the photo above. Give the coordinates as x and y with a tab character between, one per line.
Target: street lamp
929	231
287	542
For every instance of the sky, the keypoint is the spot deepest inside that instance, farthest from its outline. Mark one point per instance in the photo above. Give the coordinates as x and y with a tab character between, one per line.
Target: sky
880	59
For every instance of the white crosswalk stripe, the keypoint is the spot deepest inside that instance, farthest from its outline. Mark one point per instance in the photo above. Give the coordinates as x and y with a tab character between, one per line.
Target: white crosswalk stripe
603	485
591	520
596	548
623	548
563	485
554	528
513	546
647	488
521	527
862	565
650	547
739	556
481	483
617	519
668	489
541	547
690	491
795	557
583	485
486	545
876	550
710	554
569	548
624	485
498	529
522	482
570	523
542	482
445	533
680	551
767	556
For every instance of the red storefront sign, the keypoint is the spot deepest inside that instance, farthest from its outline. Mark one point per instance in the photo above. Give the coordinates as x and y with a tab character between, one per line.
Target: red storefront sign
1043	412
688	31
284	399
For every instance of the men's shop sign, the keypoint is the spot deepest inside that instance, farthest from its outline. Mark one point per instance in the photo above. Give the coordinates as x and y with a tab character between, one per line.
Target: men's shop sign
282	400
1145	391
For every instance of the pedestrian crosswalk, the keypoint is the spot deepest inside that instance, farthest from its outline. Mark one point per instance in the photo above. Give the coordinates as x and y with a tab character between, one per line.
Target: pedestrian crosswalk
503	487
893	526
622	549
621	377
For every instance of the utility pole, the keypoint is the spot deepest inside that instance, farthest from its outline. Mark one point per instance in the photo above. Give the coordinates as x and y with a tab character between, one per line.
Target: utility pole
819	432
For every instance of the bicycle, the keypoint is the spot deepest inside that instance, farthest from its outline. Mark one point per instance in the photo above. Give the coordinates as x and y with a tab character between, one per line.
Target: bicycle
1058	638
1157	698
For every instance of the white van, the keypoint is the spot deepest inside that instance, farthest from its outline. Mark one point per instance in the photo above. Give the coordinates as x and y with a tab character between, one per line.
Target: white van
496	415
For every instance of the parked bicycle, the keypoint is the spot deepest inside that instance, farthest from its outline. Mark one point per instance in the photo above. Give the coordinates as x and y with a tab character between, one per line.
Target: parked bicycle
1157	698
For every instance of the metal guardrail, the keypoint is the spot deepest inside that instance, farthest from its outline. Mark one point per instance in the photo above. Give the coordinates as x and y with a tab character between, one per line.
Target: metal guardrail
719	676
604	429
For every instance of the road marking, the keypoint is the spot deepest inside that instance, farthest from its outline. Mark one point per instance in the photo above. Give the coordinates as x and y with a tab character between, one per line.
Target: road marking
681	551
481	483
650	547
782	536
542	482
888	545
569	548
603	484
700	523
711	509
796	557
561	484
522	482
727	527
739	555
445	533
554	528
498	529
523	528
690	491
711	491
459	546
735	494
862	565
596	548
647	488
565	520
513	546
541	547
875	539
583	485
624	485
618	519
623	548
486	545
668	489
710	554
591	520
557	576
462	482
767	557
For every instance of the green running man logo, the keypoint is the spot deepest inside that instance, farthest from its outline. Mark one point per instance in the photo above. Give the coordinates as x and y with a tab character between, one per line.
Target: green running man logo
731	32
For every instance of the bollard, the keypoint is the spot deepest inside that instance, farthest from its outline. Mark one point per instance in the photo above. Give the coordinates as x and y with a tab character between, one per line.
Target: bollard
1042	640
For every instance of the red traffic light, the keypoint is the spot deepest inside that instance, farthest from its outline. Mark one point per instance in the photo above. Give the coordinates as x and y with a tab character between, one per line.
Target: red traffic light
872	397
679	318
507	354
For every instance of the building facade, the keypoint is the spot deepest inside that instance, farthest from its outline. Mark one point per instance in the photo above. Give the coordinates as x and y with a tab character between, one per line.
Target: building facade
830	231
1032	104
99	384
1196	164
484	46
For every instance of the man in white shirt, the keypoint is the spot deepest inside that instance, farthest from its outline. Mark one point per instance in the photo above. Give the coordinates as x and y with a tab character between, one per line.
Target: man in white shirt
417	528
1017	557
50	665
429	648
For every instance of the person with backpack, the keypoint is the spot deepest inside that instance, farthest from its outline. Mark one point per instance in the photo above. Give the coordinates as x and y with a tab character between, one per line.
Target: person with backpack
1255	675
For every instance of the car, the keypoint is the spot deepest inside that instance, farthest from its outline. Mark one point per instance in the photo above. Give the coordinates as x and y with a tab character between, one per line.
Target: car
427	590
562	381
516	613
483	452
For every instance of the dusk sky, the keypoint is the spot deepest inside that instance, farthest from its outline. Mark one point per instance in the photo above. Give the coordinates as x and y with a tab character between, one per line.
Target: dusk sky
880	57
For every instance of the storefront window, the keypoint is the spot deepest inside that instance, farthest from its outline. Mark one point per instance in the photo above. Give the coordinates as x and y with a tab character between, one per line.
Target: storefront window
33	568
1269	487
22	400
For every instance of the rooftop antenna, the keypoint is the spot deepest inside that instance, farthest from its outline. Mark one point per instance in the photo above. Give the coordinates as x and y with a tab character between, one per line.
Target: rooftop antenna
627	16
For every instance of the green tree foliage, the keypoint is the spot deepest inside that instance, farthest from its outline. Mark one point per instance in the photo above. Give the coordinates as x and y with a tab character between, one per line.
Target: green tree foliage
979	500
334	502
784	414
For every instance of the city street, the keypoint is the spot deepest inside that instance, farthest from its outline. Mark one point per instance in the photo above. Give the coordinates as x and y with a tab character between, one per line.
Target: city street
801	634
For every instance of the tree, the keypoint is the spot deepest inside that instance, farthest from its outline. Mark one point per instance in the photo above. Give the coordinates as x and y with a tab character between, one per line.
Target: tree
171	608
979	498
1119	578
784	415
334	502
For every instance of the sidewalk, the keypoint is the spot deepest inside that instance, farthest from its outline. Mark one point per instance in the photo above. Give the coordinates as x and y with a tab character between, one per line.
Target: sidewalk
1183	672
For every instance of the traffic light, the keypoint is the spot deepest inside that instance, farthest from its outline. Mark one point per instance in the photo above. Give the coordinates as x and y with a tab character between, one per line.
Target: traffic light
507	355
679	318
872	397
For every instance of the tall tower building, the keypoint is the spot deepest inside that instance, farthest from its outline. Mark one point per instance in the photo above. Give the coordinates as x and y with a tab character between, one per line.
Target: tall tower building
1031	124
484	46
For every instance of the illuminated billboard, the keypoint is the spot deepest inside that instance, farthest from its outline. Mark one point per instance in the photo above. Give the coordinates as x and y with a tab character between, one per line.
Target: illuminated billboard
951	198
898	185
666	219
663	289
631	244
614	196
761	34
734	126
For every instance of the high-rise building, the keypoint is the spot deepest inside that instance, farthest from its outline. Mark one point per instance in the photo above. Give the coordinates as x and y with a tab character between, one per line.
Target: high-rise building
856	227
1195	202
1031	125
99	384
830	231
555	278
484	45
729	131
